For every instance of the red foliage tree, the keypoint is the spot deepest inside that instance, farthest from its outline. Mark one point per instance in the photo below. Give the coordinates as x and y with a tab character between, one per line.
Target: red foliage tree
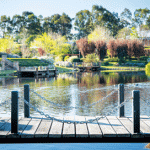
85	47
137	48
111	45
101	49
41	51
82	45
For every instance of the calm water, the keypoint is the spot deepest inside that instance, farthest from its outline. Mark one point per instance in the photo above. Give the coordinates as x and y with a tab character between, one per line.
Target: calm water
75	89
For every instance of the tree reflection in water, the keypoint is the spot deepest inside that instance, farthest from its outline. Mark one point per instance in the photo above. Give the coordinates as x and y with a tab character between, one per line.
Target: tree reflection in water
76	89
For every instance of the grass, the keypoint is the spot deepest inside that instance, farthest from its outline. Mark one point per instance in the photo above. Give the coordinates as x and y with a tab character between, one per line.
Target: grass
64	69
25	62
4	73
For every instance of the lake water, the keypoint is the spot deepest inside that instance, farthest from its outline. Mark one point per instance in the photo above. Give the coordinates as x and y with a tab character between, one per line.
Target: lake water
74	89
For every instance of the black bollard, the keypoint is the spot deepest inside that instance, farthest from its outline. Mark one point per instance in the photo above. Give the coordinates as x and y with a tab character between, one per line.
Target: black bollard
136	111
121	99
14	112
27	98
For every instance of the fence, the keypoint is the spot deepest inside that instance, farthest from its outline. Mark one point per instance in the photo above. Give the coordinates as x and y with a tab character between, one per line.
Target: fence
121	102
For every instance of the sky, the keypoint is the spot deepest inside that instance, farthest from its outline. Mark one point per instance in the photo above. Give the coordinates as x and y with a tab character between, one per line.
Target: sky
70	7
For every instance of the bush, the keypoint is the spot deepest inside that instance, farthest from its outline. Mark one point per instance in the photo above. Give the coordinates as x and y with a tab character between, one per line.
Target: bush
144	58
106	63
77	60
91	58
71	59
115	59
66	58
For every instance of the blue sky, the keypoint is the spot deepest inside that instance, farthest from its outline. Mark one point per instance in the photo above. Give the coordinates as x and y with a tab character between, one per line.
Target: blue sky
70	7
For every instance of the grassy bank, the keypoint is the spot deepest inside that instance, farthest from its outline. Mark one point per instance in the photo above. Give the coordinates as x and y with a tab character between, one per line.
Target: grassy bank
122	68
7	73
64	69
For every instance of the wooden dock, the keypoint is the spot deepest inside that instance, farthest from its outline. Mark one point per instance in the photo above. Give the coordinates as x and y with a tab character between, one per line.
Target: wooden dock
79	129
38	73
109	129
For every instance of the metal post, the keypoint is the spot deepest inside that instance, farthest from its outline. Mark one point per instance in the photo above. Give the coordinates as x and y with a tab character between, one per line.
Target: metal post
14	112
27	98
121	99
136	111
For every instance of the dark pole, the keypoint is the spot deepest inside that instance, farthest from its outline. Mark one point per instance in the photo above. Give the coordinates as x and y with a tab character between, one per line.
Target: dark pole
136	111
27	98
14	112
121	99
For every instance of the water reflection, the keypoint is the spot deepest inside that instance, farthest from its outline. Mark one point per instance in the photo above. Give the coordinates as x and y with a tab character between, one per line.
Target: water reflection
74	89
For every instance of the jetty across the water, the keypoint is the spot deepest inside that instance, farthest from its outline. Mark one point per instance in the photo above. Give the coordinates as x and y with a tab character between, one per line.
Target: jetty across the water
74	129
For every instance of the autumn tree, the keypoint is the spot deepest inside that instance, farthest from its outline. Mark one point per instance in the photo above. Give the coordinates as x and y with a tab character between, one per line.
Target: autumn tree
111	45
101	49
82	45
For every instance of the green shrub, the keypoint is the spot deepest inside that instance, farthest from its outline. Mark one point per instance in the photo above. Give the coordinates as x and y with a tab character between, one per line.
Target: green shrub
91	58
71	59
144	58
106	63
66	58
115	59
77	60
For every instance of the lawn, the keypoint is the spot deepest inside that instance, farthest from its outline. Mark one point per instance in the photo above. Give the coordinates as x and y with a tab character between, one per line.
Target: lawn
25	62
6	73
64	69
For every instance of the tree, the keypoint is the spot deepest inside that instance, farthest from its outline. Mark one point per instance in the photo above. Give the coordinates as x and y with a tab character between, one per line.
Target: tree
101	49
5	25
134	34
60	24
83	23
82	45
140	16
111	45
123	33
126	17
121	48
100	33
103	17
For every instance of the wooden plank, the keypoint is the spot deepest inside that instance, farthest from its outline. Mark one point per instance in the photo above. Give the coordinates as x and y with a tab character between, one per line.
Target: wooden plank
56	129
31	128
81	129
106	128
94	129
44	128
5	128
129	126
118	127
4	120
144	128
69	129
22	124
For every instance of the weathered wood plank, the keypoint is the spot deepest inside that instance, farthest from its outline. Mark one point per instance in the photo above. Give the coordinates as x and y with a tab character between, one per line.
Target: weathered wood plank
81	129
5	128
4	120
106	128
31	128
118	127
56	129
22	124
144	128
94	129
43	128
68	129
129	126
